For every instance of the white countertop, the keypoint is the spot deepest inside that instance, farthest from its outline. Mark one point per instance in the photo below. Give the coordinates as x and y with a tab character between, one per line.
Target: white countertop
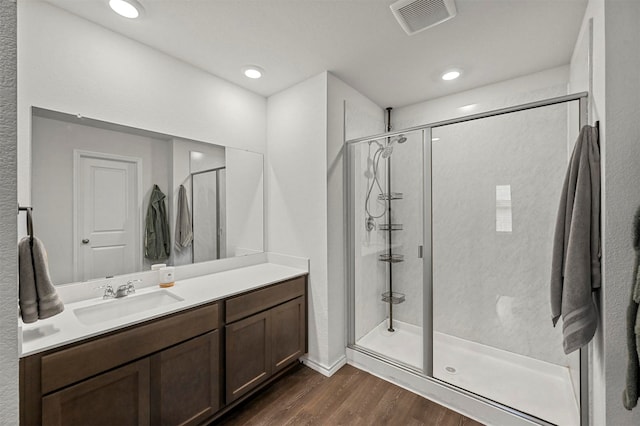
65	328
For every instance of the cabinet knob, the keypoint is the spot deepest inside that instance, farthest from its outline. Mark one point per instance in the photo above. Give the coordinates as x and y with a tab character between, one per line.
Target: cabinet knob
85	241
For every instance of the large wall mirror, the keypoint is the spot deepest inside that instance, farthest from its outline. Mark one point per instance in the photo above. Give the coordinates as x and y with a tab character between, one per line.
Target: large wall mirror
110	200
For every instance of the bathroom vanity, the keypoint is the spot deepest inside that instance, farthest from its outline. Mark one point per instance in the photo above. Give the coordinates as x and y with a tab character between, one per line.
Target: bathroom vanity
217	345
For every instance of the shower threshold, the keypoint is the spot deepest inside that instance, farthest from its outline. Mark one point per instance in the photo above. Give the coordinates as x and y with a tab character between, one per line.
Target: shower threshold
535	387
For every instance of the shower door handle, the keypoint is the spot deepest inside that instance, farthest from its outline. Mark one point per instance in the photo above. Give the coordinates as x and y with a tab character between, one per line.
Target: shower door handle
419	252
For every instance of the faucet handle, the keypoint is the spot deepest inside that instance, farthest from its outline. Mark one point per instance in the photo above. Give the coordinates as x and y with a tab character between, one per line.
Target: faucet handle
108	291
131	288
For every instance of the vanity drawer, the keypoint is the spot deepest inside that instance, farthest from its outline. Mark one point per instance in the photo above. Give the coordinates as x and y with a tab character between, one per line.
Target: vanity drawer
245	305
67	366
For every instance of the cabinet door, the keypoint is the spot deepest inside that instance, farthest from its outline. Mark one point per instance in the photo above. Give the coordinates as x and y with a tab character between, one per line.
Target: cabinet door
185	381
288	326
118	397
248	354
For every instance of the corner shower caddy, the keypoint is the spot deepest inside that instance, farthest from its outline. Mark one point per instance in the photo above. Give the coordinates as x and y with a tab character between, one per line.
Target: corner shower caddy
391	297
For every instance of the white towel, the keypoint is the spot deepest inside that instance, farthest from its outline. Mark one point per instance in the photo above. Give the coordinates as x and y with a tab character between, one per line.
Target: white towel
184	232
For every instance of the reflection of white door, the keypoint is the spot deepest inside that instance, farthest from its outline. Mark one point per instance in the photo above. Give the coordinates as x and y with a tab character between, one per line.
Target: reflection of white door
107	215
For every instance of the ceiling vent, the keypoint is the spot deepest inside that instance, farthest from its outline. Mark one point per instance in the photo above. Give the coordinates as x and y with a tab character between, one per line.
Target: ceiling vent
418	15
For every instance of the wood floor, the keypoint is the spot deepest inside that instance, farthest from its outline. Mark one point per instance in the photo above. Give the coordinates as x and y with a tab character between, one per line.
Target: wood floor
349	397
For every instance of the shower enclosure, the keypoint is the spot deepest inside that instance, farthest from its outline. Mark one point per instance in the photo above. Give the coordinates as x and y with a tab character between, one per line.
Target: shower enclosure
450	233
208	217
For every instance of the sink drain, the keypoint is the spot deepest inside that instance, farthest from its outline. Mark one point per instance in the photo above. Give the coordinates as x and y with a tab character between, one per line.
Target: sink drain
450	370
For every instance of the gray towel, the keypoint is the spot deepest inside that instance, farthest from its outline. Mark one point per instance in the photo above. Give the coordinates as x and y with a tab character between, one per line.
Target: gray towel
38	298
575	265
157	244
630	394
184	232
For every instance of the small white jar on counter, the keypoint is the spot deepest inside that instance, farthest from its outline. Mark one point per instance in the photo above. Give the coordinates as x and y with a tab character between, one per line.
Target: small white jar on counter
167	276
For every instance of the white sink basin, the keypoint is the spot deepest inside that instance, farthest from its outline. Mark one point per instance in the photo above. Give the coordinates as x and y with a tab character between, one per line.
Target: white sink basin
122	307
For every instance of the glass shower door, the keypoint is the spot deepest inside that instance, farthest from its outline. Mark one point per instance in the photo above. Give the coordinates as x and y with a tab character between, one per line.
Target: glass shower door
496	184
387	238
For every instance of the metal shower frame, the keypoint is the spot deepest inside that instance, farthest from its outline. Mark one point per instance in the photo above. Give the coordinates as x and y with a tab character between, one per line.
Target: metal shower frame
427	371
217	171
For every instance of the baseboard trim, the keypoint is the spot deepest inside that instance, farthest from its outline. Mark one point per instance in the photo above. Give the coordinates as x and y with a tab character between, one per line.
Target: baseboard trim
325	371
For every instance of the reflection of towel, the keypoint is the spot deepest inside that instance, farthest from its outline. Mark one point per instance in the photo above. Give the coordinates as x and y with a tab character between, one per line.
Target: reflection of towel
575	266
37	295
630	394
156	239
184	232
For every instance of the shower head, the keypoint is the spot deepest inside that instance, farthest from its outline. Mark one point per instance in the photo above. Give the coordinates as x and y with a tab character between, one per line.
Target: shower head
388	150
399	139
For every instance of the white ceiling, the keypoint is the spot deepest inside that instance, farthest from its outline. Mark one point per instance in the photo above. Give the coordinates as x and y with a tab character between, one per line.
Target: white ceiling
357	40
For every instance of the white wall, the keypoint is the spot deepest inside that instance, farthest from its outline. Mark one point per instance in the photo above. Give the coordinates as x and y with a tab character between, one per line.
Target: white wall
297	194
342	99
621	154
71	65
245	201
8	231
305	199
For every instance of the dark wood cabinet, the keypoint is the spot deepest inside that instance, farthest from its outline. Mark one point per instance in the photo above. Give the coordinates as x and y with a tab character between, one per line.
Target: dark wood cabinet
248	349
171	370
185	381
118	397
263	343
133	376
288	333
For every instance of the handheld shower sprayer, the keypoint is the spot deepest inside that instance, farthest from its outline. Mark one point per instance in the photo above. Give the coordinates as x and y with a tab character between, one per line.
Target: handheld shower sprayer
388	150
383	151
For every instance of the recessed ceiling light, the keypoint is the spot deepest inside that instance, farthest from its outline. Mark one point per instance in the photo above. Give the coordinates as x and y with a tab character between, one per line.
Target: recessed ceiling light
451	75
253	71
127	8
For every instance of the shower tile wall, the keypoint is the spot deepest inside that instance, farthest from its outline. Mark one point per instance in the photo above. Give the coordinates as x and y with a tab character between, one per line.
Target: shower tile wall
493	287
371	274
407	177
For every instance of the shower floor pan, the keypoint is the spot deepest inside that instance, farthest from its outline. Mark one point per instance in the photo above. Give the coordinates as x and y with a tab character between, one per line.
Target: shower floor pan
529	385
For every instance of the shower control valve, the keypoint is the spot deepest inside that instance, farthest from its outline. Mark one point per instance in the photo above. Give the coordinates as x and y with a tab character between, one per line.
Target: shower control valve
370	224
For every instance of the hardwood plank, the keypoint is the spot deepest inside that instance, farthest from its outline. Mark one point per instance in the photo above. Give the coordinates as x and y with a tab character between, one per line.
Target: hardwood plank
349	397
280	400
360	404
466	421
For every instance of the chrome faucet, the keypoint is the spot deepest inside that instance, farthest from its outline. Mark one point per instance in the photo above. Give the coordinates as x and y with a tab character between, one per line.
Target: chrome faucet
122	290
